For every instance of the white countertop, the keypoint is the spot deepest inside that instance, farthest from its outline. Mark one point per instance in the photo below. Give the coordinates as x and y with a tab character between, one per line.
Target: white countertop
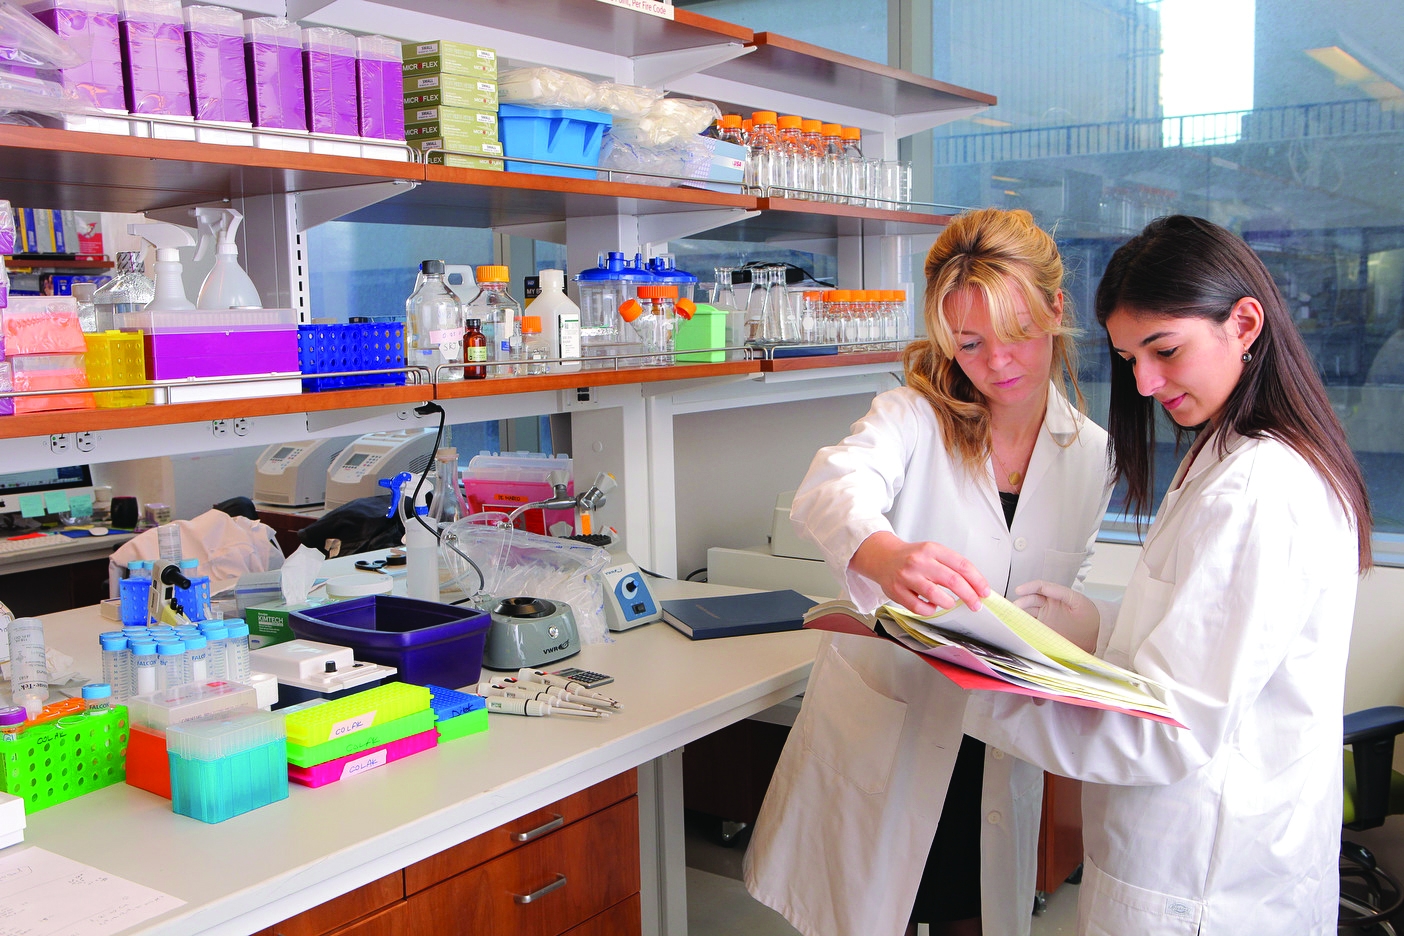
256	869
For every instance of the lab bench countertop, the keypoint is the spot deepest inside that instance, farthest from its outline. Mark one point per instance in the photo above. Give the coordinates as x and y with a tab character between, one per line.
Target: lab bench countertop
262	867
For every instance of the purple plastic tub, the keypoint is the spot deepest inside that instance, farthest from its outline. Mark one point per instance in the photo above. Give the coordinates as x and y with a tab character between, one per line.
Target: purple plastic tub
92	25
329	61
273	59
153	58
426	641
176	355
378	88
214	53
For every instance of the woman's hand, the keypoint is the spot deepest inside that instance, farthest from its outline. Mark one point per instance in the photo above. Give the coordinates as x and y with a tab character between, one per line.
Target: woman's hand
921	577
1070	613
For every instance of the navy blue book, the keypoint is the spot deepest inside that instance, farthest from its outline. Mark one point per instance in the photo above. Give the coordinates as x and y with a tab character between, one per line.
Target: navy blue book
735	615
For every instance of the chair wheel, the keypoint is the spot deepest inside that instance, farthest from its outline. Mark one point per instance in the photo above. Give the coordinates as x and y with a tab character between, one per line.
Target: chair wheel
1040	903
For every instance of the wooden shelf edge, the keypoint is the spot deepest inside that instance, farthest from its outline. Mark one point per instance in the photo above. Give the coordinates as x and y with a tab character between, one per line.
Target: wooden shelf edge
722	28
799	206
497	386
795	46
550	183
819	362
135	417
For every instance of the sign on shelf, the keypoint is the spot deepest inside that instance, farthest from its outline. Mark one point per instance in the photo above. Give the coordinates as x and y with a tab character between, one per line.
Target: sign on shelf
651	7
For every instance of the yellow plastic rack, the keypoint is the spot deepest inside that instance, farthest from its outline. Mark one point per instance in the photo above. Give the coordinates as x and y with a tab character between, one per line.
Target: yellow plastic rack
340	717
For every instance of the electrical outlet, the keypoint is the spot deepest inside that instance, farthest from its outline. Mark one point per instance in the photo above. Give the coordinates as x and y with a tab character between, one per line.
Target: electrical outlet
579	398
242	426
60	443
84	441
220	427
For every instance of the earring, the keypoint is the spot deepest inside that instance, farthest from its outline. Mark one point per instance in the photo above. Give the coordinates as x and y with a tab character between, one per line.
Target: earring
1247	357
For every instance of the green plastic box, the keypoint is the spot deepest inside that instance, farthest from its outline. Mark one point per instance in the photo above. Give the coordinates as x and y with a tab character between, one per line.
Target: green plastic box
302	755
450	91
458	144
706	329
461	161
463	725
462	119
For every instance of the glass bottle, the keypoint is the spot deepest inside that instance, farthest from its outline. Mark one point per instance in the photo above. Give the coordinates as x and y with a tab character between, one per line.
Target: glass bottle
534	350
763	166
434	323
792	154
835	167
87	312
813	158
855	187
731	129
501	318
447	504
128	291
756	306
475	350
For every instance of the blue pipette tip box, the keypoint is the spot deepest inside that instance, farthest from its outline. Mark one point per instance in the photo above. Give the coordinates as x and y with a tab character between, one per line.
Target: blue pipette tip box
226	764
450	703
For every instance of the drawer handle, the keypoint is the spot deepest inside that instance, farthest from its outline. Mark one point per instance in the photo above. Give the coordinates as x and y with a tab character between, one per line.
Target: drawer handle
557	884
539	831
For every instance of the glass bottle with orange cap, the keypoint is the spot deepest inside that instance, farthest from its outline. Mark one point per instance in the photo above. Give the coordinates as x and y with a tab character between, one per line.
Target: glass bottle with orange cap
792	154
763	167
653	316
501	316
855	187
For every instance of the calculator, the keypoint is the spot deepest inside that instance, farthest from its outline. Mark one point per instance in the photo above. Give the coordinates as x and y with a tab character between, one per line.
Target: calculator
586	678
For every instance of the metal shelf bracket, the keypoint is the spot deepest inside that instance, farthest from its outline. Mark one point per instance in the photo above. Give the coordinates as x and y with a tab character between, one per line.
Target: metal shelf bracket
318	206
656	69
661	228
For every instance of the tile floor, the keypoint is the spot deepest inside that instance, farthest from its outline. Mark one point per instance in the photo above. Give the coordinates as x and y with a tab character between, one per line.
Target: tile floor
718	905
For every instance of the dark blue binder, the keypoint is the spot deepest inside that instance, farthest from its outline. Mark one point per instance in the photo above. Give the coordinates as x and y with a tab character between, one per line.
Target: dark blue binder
736	615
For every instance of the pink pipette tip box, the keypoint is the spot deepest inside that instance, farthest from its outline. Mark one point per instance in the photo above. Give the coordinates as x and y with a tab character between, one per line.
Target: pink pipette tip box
361	761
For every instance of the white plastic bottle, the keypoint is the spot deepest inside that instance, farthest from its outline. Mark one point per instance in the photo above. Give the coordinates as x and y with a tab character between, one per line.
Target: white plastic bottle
167	239
560	320
227	286
29	673
421	547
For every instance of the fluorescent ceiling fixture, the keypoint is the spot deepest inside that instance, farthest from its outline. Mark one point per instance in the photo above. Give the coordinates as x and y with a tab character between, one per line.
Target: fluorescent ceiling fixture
1346	66
990	122
1005	178
1010	192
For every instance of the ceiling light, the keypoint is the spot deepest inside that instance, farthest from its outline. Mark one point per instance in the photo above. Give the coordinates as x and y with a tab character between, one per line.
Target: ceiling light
1346	66
990	122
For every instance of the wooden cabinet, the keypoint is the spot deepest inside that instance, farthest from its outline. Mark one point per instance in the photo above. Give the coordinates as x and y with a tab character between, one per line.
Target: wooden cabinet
570	869
1060	834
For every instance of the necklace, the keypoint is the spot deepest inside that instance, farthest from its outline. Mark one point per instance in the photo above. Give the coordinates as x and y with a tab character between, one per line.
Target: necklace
1013	477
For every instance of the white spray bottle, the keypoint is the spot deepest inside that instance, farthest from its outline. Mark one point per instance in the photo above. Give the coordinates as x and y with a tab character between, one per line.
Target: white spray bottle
167	239
421	542
227	286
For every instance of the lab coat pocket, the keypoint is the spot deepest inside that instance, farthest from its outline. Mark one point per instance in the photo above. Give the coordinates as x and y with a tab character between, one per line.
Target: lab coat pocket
1147	599
1111	907
1060	566
851	727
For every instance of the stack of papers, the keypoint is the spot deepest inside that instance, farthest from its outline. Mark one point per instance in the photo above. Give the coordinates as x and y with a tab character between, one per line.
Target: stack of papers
1006	643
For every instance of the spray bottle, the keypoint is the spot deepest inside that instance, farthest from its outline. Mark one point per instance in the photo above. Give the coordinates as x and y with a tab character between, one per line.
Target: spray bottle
421	542
227	286
167	239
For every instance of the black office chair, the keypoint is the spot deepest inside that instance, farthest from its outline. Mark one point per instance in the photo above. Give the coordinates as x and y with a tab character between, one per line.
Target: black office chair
1370	895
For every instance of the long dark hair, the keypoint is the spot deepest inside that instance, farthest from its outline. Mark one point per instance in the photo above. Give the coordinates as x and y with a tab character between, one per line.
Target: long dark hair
1185	267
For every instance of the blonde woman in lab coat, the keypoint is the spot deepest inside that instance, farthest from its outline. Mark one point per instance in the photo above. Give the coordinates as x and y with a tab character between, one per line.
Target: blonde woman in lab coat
979	475
1240	606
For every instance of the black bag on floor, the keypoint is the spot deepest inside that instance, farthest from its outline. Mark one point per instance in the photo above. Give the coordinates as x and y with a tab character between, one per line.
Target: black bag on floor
357	527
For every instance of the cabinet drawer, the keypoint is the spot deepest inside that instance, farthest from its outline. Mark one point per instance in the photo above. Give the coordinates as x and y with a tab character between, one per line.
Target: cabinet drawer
508	836
622	919
392	921
542	888
341	910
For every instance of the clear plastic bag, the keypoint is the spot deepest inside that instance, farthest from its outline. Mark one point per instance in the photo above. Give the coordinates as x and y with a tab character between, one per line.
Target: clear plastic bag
546	87
666	120
517	563
20	92
25	41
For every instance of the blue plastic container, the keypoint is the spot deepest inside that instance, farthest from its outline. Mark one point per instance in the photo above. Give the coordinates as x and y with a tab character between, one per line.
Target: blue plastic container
450	703
428	642
554	134
226	764
135	593
323	349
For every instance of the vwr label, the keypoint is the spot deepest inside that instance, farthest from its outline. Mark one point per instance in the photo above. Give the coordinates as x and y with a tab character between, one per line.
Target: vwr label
369	762
343	728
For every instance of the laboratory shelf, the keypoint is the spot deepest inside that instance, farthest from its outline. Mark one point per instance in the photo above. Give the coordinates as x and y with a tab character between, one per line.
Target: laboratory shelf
105	172
786	65
778	365
41	262
43	424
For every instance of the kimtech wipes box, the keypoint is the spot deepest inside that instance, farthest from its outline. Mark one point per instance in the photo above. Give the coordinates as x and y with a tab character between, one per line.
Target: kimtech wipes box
449	58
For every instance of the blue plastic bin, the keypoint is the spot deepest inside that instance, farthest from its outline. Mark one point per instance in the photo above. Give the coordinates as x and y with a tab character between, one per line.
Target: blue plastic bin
426	641
555	134
323	349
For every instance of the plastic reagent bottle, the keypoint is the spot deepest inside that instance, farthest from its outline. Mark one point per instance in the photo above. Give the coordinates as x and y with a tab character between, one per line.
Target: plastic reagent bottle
128	291
115	663
97	698
560	321
227	286
500	315
144	664
29	674
434	323
167	239
12	718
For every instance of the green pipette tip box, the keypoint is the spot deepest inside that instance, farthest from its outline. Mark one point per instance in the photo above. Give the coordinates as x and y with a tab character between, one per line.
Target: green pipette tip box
341	717
462	725
375	736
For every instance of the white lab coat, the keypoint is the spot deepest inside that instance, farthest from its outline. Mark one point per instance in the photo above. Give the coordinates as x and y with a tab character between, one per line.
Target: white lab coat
847	823
1241	607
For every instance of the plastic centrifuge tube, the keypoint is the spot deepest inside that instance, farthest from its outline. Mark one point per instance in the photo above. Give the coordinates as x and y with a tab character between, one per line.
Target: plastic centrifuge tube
29	674
170	655
115	665
196	659
216	638
97	698
236	654
144	666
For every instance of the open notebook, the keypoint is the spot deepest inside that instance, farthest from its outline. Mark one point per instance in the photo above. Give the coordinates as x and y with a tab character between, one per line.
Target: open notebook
1003	648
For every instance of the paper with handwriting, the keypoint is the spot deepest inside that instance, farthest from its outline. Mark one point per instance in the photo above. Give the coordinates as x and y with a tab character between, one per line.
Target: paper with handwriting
44	894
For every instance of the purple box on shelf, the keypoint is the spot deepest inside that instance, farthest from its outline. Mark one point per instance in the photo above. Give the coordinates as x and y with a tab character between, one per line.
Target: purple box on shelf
153	57
224	343
7	404
357	346
426	641
214	57
329	66
379	72
90	25
273	59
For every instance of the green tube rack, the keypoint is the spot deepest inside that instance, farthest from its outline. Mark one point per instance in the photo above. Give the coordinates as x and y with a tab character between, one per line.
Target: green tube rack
63	759
340	717
363	740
